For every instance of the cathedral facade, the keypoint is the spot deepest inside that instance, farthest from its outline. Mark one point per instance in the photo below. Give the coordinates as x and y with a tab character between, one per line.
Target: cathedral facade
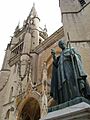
26	72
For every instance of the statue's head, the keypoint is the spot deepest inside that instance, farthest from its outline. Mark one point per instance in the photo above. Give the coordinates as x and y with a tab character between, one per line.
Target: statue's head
62	44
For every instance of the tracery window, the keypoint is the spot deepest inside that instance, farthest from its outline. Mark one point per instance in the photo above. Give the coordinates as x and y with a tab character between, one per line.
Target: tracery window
82	2
17	50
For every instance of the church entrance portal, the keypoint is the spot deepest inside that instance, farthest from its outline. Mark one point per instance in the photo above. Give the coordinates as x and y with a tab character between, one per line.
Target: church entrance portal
31	110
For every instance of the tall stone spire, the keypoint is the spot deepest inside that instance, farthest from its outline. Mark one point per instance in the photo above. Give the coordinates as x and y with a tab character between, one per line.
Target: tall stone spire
33	11
34	19
32	14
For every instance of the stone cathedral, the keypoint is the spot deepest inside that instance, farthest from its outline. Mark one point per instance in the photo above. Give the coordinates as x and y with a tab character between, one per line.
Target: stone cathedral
25	77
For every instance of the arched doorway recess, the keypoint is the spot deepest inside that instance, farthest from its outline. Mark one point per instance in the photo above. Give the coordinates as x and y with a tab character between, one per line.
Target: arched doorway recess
31	110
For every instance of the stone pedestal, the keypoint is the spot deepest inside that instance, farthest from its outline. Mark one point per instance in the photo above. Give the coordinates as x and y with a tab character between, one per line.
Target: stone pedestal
80	111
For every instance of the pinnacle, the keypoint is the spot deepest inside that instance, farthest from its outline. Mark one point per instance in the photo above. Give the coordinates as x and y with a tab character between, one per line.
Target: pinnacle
33	11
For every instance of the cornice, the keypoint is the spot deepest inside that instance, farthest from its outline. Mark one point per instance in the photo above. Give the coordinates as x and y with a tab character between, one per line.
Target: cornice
49	41
78	11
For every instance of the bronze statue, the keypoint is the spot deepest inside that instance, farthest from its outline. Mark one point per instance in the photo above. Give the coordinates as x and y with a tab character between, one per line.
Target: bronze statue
68	76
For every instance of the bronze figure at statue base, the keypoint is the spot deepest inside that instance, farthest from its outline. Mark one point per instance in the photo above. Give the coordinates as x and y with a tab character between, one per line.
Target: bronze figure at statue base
69	80
69	87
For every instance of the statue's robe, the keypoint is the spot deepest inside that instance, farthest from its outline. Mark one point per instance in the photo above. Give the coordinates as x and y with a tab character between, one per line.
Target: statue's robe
54	82
64	74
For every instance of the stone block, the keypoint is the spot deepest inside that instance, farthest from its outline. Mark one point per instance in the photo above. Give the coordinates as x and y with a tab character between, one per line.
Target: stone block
80	111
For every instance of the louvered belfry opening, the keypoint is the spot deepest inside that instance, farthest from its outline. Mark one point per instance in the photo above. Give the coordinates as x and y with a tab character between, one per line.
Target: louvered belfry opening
82	2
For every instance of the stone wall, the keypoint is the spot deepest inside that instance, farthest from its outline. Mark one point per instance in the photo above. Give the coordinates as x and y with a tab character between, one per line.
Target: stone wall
76	19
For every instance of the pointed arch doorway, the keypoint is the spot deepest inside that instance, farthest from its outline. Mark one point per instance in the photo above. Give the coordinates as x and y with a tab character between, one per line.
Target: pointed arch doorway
31	110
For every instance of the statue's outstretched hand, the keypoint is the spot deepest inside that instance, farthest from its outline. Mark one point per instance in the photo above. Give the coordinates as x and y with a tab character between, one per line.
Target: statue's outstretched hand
53	52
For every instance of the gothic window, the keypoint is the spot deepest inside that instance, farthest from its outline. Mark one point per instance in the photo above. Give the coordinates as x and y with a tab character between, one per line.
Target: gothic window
11	93
82	2
40	41
15	68
21	47
17	50
7	114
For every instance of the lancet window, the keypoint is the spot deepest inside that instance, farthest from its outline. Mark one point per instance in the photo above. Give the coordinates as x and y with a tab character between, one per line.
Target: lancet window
17	50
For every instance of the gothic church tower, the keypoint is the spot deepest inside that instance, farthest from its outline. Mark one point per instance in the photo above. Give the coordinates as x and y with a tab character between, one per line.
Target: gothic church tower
19	71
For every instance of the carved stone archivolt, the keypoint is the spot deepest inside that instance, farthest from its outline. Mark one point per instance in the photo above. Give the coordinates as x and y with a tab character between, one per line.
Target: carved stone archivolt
31	100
